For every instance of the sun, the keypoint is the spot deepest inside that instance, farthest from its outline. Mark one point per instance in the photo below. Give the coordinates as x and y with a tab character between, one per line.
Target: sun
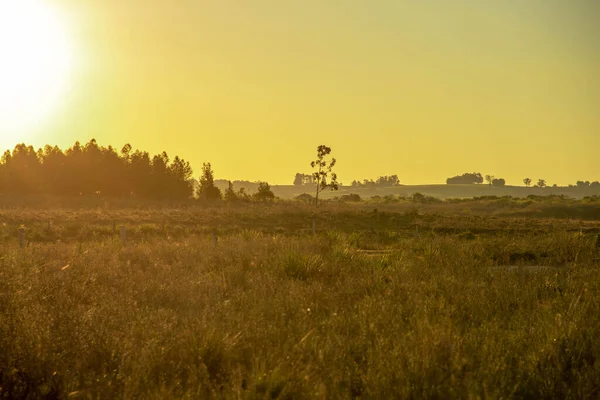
36	62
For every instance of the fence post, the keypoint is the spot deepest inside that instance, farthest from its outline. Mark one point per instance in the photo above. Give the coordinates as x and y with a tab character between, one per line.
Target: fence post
21	237
123	235
314	227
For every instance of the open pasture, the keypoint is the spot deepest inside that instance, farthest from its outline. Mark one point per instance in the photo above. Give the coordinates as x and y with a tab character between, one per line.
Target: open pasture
394	303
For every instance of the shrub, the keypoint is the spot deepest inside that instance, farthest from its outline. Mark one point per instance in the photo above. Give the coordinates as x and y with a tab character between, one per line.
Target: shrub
352	197
420	198
305	197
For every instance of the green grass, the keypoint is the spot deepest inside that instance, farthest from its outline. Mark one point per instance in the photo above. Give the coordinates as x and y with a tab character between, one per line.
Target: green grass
272	311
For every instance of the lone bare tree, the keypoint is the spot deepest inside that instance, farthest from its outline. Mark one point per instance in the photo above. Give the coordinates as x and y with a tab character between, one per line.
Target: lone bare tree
324	176
527	182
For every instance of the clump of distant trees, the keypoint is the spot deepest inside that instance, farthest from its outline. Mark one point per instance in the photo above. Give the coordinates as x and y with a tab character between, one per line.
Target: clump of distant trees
386	180
94	170
587	184
493	181
582	185
90	169
498	182
466	179
303	179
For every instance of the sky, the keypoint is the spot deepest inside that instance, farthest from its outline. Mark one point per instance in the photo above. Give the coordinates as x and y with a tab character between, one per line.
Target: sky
422	89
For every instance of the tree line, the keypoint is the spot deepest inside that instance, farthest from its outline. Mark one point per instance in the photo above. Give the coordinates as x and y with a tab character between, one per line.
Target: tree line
386	180
301	179
94	170
475	178
91	169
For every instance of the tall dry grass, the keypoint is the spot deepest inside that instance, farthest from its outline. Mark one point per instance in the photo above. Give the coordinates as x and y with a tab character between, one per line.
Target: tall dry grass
277	315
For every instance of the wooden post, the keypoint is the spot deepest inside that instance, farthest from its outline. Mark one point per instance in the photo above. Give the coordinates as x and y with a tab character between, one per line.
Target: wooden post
215	237
314	227
397	227
21	237
123	235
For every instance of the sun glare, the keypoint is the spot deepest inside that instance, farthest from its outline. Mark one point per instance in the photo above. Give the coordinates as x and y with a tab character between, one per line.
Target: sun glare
35	65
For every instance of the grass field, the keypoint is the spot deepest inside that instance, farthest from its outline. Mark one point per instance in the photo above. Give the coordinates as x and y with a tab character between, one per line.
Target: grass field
455	300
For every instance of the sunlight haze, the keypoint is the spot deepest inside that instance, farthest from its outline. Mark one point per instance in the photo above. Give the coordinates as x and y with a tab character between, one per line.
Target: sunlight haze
422	89
35	67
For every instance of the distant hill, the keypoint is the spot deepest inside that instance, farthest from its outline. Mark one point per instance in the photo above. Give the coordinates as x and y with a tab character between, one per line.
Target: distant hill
438	191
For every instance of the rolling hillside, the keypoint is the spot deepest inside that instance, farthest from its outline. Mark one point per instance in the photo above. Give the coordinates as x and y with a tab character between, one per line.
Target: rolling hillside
439	191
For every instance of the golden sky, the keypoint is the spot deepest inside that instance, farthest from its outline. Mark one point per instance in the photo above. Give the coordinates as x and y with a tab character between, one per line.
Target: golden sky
422	89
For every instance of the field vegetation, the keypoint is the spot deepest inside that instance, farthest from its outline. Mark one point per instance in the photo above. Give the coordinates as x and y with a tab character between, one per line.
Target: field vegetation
411	298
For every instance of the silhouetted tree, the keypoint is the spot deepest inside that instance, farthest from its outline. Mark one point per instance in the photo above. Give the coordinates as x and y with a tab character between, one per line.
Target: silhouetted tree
208	190
465	179
490	179
541	183
53	169
242	195
308	179
499	182
527	182
159	173
391	180
368	182
324	176
264	192
110	182
4	172
140	174
299	179
583	185
23	169
180	179
230	194
303	179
